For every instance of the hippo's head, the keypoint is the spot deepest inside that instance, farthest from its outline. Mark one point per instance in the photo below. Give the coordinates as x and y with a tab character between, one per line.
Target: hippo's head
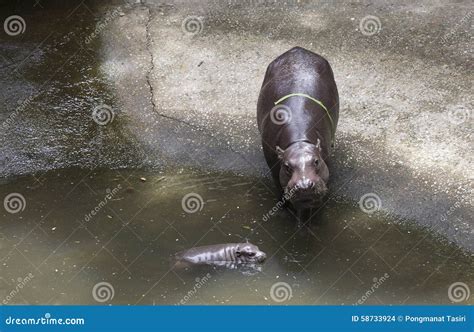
249	253
303	174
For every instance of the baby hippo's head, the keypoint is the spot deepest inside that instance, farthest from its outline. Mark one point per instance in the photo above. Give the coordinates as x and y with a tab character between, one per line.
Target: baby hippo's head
249	253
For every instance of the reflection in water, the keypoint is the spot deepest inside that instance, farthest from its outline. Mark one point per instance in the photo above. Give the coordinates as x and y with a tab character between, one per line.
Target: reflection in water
121	229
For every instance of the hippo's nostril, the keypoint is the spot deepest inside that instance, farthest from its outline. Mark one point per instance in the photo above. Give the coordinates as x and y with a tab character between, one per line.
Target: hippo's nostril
305	184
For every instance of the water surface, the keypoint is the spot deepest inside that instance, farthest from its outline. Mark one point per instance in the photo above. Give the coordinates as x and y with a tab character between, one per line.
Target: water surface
57	250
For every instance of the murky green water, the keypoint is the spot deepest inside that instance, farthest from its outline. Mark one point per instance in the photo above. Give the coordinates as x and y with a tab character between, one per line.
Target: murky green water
55	250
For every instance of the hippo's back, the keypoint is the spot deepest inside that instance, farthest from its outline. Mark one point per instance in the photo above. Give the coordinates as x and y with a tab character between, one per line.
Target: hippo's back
298	70
295	65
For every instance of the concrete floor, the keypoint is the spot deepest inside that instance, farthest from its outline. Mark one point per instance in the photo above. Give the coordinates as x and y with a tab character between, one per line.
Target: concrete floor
189	98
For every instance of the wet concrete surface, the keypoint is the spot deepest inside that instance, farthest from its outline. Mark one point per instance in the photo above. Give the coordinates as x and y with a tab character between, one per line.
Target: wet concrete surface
185	99
189	99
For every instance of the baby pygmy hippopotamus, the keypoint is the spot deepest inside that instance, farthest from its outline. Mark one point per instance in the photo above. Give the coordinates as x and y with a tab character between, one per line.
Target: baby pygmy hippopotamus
222	254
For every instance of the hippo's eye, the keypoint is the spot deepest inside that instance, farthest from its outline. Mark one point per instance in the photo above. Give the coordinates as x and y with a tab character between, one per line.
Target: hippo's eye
238	254
316	162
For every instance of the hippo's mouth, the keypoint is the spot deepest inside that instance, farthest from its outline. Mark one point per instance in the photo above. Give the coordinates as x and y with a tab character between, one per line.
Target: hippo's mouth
308	199
258	258
261	257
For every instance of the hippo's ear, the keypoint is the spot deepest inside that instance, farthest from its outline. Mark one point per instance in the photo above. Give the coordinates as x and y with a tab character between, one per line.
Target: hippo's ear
280	152
318	145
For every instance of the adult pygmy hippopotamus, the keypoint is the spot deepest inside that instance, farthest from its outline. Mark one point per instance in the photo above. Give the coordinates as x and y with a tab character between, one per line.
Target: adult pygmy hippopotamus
229	254
297	114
